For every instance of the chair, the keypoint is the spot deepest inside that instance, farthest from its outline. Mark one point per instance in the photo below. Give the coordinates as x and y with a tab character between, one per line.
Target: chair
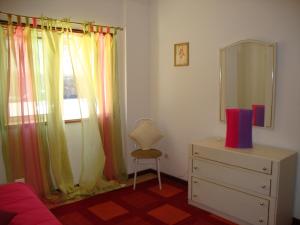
145	135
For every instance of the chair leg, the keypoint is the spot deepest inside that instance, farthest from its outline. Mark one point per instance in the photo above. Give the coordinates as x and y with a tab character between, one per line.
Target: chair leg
135	172
158	173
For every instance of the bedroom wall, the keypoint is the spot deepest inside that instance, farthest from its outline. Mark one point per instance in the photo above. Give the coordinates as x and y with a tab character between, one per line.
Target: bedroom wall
133	15
185	100
136	20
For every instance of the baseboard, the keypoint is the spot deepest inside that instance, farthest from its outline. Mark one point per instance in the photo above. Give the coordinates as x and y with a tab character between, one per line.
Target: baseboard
296	221
171	177
142	172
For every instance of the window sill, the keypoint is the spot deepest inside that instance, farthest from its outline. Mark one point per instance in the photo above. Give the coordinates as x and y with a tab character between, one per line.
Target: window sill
73	121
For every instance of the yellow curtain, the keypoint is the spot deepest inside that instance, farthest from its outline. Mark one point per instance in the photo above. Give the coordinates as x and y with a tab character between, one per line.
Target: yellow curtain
82	49
60	164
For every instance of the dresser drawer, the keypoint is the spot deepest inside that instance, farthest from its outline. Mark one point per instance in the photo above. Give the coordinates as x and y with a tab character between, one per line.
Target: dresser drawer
234	158
227	175
245	207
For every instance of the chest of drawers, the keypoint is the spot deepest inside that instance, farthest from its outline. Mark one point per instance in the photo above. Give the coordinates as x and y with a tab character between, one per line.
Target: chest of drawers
247	186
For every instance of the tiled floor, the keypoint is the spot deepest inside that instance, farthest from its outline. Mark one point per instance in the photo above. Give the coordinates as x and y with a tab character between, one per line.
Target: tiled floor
147	205
56	198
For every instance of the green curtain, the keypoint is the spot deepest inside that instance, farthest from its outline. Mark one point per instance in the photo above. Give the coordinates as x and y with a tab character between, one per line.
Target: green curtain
4	88
116	129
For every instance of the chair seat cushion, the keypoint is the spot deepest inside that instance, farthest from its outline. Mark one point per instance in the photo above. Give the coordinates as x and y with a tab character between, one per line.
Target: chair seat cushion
146	154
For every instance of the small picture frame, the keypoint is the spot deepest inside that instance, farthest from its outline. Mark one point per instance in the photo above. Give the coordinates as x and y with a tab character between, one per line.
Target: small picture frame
181	54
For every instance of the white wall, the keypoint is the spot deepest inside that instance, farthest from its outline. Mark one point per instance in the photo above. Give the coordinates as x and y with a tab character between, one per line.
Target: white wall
185	100
99	11
133	16
136	20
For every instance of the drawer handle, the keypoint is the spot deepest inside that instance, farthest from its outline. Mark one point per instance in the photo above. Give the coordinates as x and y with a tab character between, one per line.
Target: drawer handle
195	167
265	169
261	221
261	204
263	186
195	182
196	153
195	196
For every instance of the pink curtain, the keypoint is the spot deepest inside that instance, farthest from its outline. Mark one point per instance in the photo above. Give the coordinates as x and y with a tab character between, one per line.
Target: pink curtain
109	109
104	111
24	143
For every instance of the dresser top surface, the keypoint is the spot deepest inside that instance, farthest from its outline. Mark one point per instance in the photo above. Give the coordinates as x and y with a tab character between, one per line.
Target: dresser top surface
257	150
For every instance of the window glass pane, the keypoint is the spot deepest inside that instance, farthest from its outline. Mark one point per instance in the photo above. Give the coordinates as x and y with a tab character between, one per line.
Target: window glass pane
69	87
69	82
71	103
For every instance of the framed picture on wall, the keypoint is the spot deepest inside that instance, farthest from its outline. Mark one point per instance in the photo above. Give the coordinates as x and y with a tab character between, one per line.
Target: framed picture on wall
181	54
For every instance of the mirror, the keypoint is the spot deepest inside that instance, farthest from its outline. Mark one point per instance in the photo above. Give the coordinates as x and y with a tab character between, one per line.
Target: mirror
247	70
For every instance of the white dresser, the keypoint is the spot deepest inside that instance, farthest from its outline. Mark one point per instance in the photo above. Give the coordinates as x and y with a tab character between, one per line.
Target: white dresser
247	186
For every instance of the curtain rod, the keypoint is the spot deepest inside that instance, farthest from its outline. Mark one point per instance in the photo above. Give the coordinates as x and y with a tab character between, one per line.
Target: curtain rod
59	20
74	30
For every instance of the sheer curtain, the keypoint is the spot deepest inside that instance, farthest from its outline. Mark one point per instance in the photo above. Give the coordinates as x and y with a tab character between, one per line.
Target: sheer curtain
31	108
52	58
22	126
31	124
92	60
109	108
81	48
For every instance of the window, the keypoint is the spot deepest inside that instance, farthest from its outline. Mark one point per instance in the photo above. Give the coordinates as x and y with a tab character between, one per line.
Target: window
71	102
71	105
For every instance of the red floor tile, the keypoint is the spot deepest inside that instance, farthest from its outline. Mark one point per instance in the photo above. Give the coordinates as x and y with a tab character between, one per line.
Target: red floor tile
169	214
166	191
107	210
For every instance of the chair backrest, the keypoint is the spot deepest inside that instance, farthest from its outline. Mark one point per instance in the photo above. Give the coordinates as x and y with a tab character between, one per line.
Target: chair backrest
146	134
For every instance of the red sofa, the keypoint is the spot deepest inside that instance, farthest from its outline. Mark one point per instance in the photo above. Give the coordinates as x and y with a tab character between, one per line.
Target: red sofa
20	199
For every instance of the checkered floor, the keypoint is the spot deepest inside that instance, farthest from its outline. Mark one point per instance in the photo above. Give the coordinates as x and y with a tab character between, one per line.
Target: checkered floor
147	205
